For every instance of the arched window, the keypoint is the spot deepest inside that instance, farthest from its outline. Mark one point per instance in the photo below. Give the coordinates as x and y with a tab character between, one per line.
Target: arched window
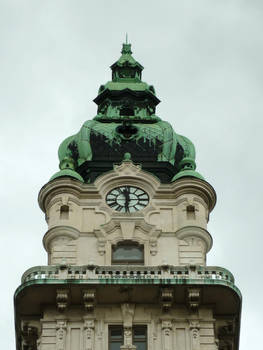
127	252
64	212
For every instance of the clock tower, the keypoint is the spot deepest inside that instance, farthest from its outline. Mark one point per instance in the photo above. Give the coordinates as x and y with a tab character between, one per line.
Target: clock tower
127	238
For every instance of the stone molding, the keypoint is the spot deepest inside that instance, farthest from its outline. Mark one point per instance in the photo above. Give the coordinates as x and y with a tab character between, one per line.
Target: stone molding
58	231
197	187
130	174
196	232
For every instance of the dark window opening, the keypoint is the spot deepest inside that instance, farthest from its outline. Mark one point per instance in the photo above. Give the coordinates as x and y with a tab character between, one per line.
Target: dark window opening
64	212
127	112
127	252
127	130
190	212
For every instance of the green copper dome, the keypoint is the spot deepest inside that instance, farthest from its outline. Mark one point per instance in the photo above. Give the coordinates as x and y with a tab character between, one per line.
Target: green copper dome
67	173
126	123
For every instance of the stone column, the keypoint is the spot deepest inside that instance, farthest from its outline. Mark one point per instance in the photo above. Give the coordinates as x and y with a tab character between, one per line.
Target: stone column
166	334
61	333
89	334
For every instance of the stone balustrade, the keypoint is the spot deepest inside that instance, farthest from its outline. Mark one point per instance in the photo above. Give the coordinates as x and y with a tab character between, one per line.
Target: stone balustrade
127	272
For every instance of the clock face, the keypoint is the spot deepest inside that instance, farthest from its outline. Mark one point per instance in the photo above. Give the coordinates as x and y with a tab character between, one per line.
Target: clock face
127	199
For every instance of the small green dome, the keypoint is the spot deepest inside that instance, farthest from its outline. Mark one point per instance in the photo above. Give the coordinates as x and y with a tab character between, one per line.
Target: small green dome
187	173
68	173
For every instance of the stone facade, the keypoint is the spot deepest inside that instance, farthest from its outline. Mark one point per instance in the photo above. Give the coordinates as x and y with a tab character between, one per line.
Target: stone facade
82	228
173	294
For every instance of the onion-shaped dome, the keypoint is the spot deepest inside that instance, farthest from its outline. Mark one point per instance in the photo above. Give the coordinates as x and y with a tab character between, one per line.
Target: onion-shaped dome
126	123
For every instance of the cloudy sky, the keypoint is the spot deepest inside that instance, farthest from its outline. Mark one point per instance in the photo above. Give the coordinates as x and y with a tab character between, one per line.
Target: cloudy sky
204	58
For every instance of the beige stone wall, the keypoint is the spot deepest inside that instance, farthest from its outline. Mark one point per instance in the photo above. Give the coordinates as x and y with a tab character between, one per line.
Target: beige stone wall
172	227
179	329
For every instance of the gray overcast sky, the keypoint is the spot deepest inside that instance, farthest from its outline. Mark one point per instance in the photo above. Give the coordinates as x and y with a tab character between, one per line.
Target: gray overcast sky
204	58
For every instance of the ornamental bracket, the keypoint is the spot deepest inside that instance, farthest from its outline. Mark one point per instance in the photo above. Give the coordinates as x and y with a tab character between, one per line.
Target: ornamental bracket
166	299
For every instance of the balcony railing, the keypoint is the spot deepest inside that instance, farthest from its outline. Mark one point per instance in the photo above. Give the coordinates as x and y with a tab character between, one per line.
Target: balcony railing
127	272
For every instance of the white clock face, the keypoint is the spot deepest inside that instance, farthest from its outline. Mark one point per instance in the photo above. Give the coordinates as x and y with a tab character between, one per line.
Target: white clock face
127	199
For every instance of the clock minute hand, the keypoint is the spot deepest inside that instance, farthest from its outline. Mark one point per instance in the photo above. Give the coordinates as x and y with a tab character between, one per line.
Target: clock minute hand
127	198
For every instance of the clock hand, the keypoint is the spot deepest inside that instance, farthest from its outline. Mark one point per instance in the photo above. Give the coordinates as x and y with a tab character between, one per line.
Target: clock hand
127	198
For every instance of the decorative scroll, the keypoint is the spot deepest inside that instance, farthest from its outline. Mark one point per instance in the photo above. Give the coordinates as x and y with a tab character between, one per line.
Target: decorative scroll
61	329
166	334
195	334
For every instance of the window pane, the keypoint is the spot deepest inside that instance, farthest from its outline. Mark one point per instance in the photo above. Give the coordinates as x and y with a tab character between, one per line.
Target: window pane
116	333
139	333
140	346
140	337
117	346
128	253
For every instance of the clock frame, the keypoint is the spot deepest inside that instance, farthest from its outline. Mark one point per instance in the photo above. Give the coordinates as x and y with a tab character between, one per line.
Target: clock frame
127	199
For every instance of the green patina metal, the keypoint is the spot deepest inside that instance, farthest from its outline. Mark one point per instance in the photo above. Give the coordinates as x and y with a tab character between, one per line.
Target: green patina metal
187	173
127	103
161	131
122	281
67	173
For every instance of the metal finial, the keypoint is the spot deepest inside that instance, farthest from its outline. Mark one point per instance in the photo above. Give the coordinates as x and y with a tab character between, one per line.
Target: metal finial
126	38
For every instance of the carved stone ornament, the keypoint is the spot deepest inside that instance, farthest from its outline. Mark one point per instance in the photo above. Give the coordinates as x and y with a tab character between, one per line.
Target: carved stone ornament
166	334
101	246
62	299
89	334
127	314
61	331
153	247
128	339
194	327
193	298
29	337
89	298
167	295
